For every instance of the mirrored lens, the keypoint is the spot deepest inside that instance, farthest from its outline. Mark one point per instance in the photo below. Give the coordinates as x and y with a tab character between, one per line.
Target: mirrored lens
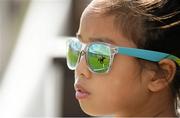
98	57
73	52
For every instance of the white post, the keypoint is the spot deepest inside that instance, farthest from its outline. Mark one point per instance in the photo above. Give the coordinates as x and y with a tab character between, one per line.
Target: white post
32	55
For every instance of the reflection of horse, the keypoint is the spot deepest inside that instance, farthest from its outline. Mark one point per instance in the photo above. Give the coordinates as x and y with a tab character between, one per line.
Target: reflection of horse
101	59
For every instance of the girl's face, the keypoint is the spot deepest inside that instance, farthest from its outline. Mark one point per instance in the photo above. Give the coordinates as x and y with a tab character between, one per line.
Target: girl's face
120	91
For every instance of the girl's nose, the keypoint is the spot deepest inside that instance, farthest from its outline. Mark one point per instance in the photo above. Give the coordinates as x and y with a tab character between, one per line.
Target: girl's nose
82	67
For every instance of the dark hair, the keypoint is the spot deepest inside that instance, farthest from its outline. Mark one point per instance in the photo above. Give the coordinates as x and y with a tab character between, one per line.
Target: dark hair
151	24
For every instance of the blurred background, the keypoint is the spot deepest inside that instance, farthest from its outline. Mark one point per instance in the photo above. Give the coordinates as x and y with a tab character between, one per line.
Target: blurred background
34	79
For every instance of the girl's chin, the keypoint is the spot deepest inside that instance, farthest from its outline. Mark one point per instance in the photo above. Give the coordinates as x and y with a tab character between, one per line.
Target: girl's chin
92	111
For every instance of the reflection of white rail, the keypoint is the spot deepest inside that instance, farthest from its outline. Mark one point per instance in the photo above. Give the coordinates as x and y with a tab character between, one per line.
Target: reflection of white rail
98	69
30	64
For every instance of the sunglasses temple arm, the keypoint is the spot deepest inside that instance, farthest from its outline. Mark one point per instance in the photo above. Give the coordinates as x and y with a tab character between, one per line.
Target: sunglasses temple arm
143	54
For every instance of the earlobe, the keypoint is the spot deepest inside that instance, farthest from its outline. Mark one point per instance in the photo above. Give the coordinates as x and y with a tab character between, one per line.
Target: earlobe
163	76
158	85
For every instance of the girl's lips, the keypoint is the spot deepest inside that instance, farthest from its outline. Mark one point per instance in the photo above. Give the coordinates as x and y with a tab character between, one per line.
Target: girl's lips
81	93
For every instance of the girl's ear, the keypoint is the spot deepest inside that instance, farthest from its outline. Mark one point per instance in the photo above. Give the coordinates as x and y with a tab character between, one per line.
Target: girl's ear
163	77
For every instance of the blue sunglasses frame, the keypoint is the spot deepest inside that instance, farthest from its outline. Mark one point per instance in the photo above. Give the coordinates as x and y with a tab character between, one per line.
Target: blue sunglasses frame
147	54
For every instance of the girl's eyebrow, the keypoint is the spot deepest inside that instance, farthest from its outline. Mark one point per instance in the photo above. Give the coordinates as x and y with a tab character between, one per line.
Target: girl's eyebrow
94	39
102	39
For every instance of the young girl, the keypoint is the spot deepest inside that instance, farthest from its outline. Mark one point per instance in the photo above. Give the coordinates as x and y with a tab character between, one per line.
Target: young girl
126	58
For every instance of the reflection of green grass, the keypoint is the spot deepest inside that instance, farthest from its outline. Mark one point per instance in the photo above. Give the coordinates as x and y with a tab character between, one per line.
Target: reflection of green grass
73	56
99	67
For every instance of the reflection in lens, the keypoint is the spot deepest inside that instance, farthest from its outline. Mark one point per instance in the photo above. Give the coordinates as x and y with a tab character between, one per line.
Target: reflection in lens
99	57
73	53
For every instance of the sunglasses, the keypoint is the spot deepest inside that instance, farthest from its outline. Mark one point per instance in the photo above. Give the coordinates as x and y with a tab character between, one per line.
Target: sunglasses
99	55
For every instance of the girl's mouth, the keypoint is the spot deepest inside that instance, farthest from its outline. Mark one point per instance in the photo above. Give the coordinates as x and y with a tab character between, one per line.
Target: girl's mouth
81	93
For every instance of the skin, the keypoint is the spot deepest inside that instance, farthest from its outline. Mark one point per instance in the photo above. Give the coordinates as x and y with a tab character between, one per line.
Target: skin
128	89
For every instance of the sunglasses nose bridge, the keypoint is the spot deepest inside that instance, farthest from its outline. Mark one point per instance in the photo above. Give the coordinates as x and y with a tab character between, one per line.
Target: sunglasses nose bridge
82	53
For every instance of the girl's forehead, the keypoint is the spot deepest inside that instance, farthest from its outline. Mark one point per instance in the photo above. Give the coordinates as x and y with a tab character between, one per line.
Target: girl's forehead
96	25
97	28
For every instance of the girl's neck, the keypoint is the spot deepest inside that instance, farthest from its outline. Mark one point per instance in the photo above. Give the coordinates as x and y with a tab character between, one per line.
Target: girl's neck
156	106
160	105
166	112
